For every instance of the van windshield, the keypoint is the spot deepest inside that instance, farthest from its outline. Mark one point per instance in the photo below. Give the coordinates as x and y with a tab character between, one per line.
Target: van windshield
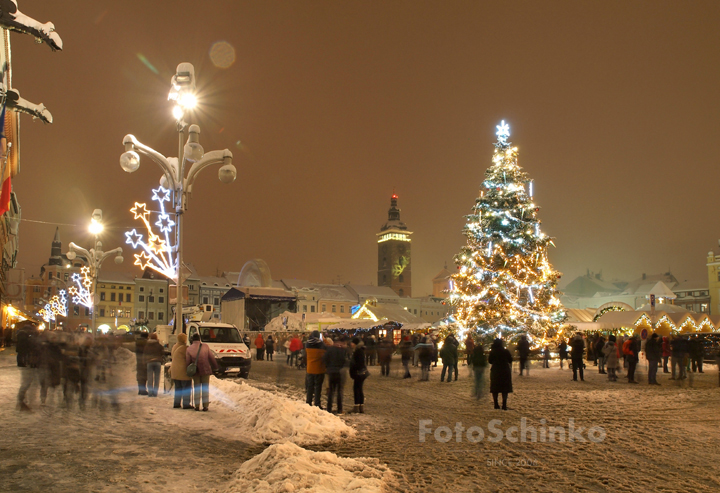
220	334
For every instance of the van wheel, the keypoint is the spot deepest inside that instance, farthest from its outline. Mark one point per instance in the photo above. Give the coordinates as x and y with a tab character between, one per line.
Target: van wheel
244	375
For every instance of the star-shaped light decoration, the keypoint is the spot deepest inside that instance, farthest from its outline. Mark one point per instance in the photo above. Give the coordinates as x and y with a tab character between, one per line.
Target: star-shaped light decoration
503	132
140	211
143	260
81	291
161	194
133	238
157	250
165	223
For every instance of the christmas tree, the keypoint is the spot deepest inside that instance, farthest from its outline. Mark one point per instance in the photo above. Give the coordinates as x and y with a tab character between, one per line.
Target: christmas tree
505	284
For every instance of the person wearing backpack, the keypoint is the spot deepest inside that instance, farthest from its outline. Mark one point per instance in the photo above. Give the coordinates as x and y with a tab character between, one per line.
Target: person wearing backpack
205	364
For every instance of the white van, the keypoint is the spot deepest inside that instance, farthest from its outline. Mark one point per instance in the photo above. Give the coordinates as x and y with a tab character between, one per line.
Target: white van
225	344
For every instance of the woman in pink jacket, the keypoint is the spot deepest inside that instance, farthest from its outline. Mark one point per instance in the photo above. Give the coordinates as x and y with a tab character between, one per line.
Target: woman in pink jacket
206	363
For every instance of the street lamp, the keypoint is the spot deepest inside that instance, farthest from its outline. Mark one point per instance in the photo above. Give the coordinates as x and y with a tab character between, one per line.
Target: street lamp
174	178
85	292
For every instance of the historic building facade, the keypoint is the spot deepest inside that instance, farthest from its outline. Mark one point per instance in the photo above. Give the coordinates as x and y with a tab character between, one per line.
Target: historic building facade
394	253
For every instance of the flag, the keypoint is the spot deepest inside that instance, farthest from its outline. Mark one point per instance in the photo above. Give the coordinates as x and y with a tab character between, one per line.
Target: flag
6	165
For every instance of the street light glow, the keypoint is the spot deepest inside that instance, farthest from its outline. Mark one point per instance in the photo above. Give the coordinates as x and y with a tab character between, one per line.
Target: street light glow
96	227
187	100
178	112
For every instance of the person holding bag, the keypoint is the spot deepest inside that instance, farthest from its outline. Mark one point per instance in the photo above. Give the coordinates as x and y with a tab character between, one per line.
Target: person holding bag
205	364
178	371
358	372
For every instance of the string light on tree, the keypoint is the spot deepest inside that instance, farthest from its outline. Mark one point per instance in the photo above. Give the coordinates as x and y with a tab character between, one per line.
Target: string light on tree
505	284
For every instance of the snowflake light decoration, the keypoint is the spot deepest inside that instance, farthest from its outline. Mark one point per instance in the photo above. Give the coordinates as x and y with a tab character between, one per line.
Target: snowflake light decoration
56	306
503	132
156	252
80	293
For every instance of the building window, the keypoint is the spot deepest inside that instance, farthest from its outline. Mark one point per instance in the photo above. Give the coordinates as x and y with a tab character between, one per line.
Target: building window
703	307
333	308
112	296
192	287
87	311
401	293
142	289
161	299
161	290
102	295
141	298
151	299
36	289
415	311
312	309
401	278
50	275
111	312
324	308
205	300
304	308
128	297
151	315
342	308
66	276
141	315
76	310
216	301
102	312
161	315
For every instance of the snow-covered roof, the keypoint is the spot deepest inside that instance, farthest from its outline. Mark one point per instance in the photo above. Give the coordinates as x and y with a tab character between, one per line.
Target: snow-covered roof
691	286
443	274
589	285
663	307
336	292
643	285
391	311
580	314
379	292
215	281
299	284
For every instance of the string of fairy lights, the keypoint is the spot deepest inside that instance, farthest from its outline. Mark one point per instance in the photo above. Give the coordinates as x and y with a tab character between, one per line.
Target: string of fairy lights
505	284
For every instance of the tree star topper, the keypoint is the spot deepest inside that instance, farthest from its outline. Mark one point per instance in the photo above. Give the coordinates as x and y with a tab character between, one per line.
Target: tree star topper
503	132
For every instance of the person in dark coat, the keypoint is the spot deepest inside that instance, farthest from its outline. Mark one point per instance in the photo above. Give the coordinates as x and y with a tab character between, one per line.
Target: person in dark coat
29	353
424	351
546	357
696	354
154	354
270	348
334	360
406	354
562	352
478	361
576	354
141	367
358	372
449	355
599	356
653	351
679	348
666	353
523	349
500	360
385	351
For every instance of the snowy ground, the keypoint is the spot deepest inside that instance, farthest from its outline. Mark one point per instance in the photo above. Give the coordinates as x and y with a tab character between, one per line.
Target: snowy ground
656	438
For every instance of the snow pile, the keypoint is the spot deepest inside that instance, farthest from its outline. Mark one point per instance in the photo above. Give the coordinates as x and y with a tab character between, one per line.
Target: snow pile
267	417
125	363
288	468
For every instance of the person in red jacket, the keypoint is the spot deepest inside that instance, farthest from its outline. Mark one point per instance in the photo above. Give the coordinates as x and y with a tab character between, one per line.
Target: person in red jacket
666	353
631	353
260	347
295	348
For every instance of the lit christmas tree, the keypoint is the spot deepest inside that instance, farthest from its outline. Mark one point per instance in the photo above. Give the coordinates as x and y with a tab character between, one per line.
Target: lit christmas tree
505	284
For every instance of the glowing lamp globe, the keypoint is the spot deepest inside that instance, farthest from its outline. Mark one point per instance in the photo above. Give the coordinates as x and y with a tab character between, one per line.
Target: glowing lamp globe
130	161
227	173
119	259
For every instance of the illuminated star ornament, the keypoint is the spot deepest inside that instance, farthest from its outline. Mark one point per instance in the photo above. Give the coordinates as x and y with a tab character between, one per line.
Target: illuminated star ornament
81	292
503	132
157	251
56	306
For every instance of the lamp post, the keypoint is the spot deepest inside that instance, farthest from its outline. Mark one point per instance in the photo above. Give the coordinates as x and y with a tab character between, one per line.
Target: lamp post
95	258
174	177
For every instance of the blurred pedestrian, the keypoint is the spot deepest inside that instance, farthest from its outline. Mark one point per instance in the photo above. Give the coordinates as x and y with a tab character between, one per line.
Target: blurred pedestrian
598	354
500	372
612	361
358	372
406	354
385	350
334	361
479	361
28	359
546	357
295	347
154	354
424	350
631	356
695	349
666	353
141	366
178	372
469	348
562	352
206	364
523	349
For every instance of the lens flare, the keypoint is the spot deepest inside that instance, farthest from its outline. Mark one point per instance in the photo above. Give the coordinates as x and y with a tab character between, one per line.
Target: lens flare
222	54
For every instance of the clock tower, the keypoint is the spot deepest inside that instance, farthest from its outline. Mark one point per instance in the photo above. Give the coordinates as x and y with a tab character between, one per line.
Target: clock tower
394	267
